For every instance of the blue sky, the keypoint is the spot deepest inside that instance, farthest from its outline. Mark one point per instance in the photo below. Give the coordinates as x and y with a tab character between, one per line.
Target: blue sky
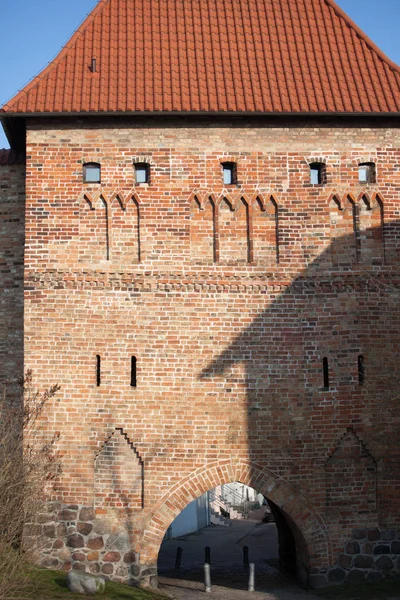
33	31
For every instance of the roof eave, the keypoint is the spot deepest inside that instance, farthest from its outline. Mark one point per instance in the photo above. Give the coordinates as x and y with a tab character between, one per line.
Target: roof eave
4	115
14	124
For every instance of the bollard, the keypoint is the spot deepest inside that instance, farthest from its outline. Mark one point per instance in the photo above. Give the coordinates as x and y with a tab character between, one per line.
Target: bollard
207	555
251	577
246	557
178	558
207	578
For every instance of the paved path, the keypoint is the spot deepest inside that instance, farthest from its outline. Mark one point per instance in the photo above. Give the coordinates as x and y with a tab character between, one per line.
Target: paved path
229	577
226	545
193	590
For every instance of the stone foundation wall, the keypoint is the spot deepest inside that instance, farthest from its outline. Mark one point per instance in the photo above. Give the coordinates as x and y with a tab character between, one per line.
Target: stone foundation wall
71	537
372	555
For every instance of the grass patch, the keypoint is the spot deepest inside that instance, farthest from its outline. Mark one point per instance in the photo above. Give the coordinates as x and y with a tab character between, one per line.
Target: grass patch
52	585
384	590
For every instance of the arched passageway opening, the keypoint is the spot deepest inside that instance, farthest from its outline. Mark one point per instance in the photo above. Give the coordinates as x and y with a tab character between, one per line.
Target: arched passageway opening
297	524
229	527
294	559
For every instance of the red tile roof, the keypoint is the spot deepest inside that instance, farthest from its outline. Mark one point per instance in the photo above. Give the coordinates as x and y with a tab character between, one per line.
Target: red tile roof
215	55
10	157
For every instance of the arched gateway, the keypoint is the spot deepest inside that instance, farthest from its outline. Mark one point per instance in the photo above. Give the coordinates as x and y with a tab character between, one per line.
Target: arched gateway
290	501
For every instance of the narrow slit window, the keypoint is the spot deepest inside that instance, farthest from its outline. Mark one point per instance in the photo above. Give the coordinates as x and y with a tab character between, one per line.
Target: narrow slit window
133	372
317	173
325	369
229	173
91	173
361	370
366	173
98	370
142	172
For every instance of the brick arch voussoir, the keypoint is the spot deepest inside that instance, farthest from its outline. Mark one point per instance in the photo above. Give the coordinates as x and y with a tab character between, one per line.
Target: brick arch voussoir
117	199
367	158
362	196
200	197
377	198
258	199
101	199
349	199
335	197
229	158
269	201
133	199
85	199
244	199
272	201
281	492
211	198
316	160
232	201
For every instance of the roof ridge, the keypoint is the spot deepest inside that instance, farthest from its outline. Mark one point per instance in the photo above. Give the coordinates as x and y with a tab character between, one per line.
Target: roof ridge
362	35
60	54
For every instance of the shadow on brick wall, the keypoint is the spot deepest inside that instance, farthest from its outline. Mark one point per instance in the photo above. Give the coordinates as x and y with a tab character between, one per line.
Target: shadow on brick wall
322	383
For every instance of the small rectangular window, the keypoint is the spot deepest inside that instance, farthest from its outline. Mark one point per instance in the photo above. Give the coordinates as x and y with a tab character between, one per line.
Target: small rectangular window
229	173
142	173
366	173
314	174
317	173
91	173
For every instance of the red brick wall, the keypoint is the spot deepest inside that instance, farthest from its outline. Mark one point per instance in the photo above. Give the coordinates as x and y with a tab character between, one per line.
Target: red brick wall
229	298
12	199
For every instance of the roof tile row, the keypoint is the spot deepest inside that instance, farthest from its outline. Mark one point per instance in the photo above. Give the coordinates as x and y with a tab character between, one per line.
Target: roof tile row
215	55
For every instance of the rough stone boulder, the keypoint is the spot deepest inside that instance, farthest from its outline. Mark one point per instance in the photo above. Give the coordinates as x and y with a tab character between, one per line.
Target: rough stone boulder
83	583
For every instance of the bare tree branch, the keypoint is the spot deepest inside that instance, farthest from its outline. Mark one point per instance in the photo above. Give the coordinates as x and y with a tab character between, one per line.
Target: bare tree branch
29	467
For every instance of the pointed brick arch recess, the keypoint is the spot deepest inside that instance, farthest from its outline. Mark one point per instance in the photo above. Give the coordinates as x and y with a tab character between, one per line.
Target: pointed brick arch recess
94	234
278	490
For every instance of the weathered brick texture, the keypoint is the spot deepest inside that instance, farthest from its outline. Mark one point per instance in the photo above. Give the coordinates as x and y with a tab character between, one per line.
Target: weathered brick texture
118	474
229	297
12	204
